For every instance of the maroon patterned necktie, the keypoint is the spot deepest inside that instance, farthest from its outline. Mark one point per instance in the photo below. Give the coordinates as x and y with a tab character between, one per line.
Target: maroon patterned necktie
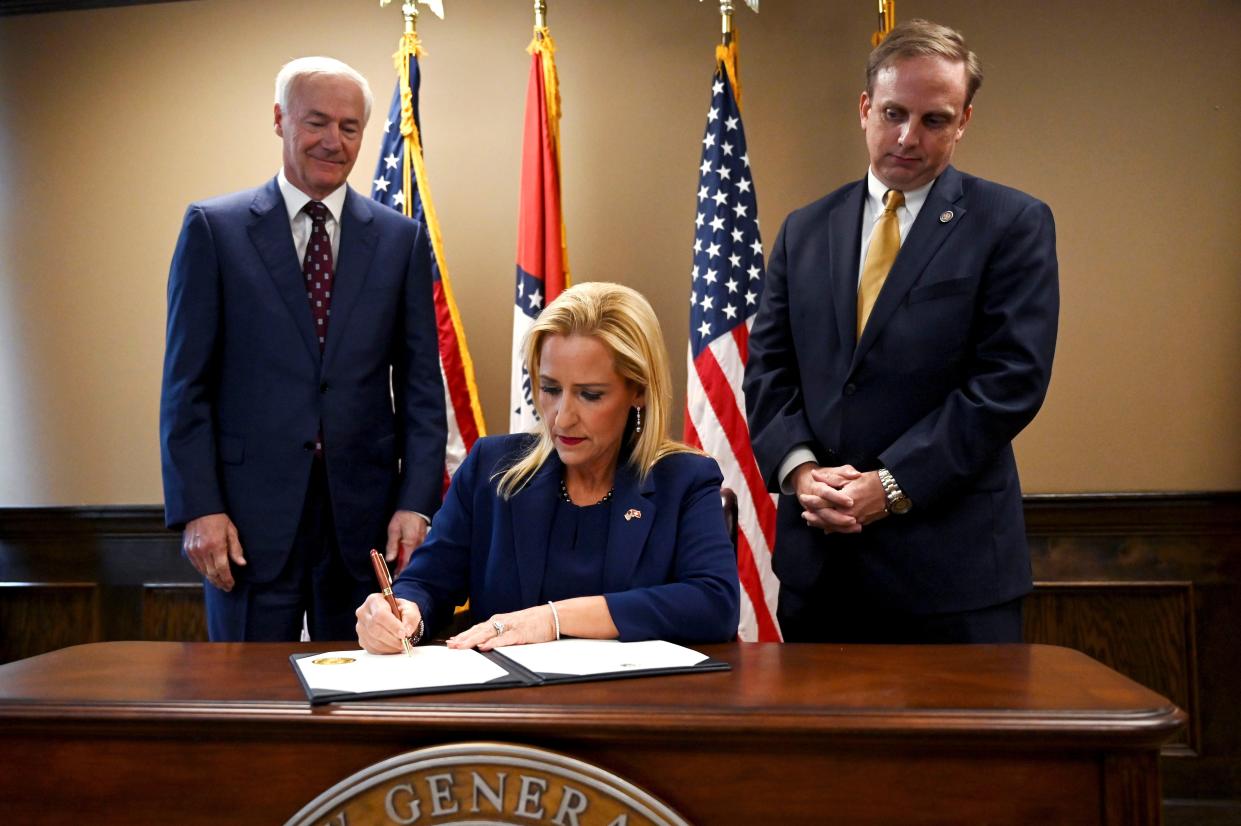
317	267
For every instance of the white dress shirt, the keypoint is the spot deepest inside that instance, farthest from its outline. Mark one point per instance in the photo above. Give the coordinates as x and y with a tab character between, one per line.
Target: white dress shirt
295	200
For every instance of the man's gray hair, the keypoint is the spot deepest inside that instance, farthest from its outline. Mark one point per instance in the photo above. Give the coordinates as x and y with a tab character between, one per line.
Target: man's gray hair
306	66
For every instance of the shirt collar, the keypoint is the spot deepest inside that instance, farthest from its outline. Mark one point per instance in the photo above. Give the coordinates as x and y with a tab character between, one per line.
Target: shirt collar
876	189
295	200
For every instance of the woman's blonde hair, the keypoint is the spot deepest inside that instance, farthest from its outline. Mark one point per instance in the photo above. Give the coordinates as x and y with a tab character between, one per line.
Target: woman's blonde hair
623	321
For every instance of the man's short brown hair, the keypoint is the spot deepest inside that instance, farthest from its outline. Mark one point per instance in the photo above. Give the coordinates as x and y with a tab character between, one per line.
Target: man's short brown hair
922	38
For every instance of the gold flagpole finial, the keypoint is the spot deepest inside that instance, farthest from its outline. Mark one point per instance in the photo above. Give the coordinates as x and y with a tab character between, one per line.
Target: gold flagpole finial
410	10
540	14
727	7
887	20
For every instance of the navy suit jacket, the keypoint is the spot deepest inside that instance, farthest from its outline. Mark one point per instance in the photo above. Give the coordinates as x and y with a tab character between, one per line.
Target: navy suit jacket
954	361
669	573
245	388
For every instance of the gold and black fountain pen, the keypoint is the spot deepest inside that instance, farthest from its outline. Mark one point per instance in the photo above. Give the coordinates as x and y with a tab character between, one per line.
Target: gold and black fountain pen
385	586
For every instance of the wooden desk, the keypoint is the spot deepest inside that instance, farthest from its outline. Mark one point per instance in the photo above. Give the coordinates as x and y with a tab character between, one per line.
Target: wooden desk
147	732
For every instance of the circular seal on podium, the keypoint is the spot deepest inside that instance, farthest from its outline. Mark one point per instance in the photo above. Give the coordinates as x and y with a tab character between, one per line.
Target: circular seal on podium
485	783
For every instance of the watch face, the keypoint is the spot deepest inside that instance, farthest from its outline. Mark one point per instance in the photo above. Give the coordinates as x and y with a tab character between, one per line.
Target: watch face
902	505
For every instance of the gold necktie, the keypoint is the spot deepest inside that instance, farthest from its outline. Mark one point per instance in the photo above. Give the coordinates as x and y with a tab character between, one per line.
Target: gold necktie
885	243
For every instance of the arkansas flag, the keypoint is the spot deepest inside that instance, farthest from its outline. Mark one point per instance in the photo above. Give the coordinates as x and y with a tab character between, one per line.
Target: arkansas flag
542	257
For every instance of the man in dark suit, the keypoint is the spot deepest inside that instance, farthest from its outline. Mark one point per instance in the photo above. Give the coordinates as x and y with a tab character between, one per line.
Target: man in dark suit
302	414
905	338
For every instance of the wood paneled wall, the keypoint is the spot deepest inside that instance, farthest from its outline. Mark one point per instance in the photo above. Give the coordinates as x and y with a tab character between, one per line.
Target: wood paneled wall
76	575
1148	584
1151	585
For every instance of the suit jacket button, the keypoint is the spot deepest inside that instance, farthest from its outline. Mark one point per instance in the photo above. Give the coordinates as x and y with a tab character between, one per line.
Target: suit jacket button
850	389
323	387
308	445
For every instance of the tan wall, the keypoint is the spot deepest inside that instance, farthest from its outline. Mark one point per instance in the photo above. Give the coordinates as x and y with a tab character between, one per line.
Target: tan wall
1123	116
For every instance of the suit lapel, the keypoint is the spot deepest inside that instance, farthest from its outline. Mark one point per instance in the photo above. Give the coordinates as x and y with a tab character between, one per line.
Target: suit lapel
532	510
269	232
845	231
353	262
627	537
926	236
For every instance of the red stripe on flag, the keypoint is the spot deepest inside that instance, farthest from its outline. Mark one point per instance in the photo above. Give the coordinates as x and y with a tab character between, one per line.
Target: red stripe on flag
722	398
752	582
454	369
723	402
741	335
747	572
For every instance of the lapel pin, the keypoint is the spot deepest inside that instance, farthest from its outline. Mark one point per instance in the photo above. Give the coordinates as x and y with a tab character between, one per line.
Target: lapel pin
633	513
945	216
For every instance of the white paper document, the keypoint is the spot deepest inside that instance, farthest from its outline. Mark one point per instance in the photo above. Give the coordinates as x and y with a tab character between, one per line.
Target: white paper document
585	657
430	666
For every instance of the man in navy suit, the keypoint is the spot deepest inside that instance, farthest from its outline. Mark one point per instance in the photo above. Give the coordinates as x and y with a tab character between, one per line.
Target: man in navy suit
302	414
883	406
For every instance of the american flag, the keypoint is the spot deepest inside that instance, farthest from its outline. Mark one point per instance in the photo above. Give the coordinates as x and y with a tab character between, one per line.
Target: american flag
727	282
400	182
542	260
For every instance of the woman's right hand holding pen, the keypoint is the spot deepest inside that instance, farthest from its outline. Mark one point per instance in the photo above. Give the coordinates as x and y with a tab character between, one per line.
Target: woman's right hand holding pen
379	631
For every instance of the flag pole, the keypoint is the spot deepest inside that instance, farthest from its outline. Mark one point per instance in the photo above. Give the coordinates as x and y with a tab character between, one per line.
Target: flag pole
887	19
410	10
726	52
727	7
540	14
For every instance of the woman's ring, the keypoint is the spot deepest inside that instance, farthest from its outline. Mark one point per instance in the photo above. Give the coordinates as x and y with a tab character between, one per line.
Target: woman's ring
499	626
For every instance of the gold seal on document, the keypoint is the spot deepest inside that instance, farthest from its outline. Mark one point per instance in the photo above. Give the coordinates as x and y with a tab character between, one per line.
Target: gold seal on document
333	660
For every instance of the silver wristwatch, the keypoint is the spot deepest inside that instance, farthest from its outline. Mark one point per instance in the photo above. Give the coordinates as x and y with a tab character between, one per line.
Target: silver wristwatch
898	502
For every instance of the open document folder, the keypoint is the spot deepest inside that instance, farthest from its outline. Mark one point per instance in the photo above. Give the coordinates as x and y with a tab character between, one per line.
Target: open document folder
353	675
